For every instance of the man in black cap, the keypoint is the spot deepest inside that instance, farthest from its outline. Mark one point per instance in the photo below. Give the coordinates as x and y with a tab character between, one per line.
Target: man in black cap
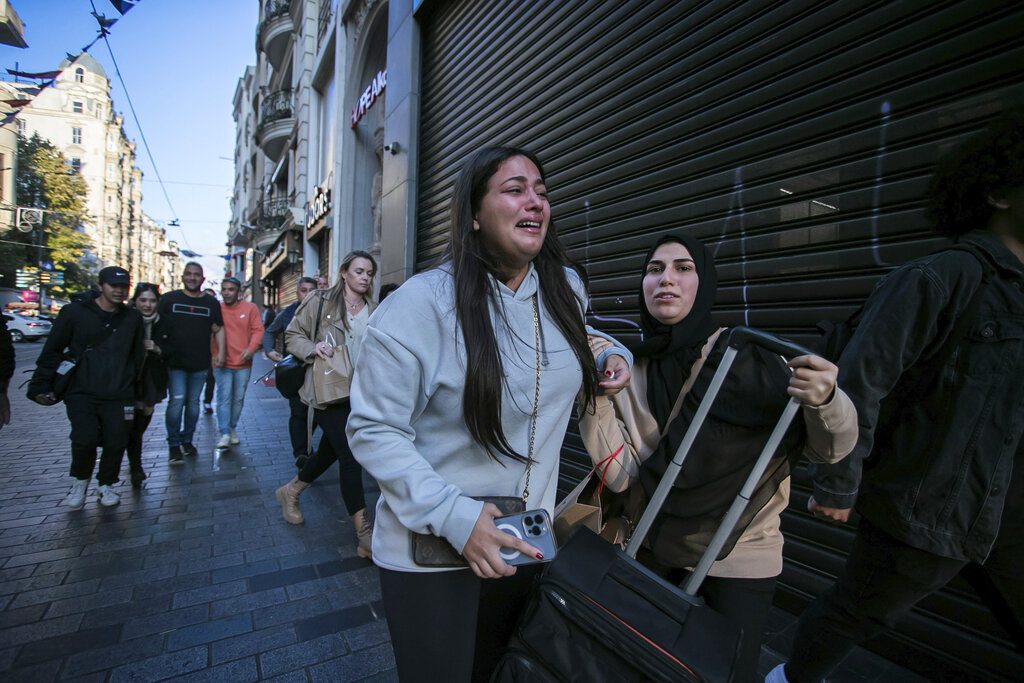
92	357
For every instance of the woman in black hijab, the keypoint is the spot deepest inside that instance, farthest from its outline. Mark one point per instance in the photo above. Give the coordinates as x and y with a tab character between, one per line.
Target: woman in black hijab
633	435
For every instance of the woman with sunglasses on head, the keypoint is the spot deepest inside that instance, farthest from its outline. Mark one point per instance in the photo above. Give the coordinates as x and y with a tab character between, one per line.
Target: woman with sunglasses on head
151	387
324	322
466	381
633	435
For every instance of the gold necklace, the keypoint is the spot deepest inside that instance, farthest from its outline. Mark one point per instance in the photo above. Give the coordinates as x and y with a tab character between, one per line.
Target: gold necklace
353	306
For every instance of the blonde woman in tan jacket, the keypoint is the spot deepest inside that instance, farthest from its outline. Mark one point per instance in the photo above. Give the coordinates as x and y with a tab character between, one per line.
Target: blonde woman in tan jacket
344	311
633	435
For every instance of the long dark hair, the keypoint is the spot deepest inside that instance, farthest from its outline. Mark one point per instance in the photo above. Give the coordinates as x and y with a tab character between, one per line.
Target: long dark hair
470	264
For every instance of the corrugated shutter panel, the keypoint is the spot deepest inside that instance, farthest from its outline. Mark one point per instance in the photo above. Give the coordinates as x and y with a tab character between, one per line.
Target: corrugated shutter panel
796	138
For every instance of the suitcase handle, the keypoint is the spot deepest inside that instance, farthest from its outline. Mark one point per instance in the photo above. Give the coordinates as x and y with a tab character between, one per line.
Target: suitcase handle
738	337
741	336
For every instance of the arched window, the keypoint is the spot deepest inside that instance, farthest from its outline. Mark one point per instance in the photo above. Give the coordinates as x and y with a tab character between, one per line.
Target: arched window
79	75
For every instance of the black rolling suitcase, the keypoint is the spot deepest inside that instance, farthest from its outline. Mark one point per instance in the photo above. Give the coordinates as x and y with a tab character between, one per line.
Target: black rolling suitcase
597	614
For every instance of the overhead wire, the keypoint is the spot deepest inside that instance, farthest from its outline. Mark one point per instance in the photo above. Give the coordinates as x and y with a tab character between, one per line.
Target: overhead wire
142	135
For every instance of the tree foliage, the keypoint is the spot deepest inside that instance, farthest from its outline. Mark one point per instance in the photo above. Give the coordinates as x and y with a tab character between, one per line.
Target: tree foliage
46	181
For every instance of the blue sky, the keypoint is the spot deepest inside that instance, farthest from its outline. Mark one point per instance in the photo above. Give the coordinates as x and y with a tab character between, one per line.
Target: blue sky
180	60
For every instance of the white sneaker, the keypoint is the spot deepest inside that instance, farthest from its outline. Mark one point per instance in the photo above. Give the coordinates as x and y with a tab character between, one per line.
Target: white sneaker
777	675
234	438
225	441
108	496
76	497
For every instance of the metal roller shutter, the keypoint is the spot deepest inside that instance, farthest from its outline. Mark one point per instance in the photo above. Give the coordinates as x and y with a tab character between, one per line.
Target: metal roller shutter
796	138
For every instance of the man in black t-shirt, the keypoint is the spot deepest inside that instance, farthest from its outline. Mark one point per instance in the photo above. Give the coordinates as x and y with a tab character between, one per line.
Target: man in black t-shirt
191	317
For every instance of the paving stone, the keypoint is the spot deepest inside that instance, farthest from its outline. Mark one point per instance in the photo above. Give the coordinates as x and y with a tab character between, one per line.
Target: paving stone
34	558
301	655
209	631
161	667
251	643
31	583
104	599
166	621
40	629
124	613
248	602
368	635
354	667
132	578
284	577
39	673
105	658
290	677
209	593
59	646
332	622
169	586
290	611
241	571
241	671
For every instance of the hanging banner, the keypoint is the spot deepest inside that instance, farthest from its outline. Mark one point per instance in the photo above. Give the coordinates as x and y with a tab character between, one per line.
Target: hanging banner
369	96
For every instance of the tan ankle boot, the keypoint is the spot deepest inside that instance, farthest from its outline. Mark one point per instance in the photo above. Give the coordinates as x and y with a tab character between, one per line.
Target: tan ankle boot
364	534
288	497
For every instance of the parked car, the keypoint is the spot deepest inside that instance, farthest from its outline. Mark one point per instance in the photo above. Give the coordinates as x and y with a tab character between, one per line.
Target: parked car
27	327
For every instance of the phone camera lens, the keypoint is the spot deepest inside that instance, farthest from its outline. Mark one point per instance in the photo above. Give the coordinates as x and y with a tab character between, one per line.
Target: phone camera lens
528	520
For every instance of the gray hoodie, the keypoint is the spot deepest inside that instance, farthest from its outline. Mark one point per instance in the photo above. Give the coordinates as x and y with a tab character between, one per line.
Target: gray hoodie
407	427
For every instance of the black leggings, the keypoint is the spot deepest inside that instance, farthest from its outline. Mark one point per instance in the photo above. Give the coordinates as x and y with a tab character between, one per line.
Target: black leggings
334	447
452	625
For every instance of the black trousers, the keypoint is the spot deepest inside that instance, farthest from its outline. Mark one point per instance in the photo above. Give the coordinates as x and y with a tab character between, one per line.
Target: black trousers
211	384
451	626
884	578
297	425
334	447
745	602
96	424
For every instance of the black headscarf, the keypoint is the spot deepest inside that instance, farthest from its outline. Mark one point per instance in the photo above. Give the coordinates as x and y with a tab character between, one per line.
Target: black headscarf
671	350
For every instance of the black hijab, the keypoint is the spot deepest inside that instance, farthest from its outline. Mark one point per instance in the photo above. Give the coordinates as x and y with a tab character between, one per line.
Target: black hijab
671	350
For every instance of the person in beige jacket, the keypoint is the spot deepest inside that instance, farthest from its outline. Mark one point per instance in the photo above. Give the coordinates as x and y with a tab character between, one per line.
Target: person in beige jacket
633	435
344	311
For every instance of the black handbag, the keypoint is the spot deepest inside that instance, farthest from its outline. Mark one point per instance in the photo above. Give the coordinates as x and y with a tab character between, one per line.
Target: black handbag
599	615
429	550
290	372
289	376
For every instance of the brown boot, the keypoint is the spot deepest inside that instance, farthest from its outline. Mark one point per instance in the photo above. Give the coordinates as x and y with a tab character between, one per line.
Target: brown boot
364	534
288	497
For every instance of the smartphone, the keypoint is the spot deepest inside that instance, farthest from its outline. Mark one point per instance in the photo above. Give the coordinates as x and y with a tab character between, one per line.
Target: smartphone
532	526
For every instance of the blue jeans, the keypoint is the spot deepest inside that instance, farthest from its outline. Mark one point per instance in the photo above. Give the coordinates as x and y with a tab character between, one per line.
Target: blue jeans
183	389
231	386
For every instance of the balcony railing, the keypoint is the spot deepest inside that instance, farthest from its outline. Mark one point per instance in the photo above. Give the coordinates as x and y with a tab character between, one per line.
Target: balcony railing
275	8
274	29
273	213
276	106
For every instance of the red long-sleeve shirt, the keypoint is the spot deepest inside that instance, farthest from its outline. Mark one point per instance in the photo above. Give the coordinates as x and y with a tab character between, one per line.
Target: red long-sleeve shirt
243	330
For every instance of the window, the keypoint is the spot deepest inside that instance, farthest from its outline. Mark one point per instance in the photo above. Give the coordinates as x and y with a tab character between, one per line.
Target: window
112	142
21	126
110	202
76	136
110	171
76	107
99	111
76	164
79	75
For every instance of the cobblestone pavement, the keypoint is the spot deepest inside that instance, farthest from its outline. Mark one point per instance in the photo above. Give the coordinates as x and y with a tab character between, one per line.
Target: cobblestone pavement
194	578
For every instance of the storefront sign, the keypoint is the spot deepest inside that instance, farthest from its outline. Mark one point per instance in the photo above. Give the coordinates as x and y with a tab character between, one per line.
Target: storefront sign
319	207
274	258
369	96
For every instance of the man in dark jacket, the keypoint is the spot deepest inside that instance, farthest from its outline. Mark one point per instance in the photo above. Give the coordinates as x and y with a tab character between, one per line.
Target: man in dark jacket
274	334
97	345
934	369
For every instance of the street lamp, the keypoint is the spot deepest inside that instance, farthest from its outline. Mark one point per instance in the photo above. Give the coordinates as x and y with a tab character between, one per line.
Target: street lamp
293	257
